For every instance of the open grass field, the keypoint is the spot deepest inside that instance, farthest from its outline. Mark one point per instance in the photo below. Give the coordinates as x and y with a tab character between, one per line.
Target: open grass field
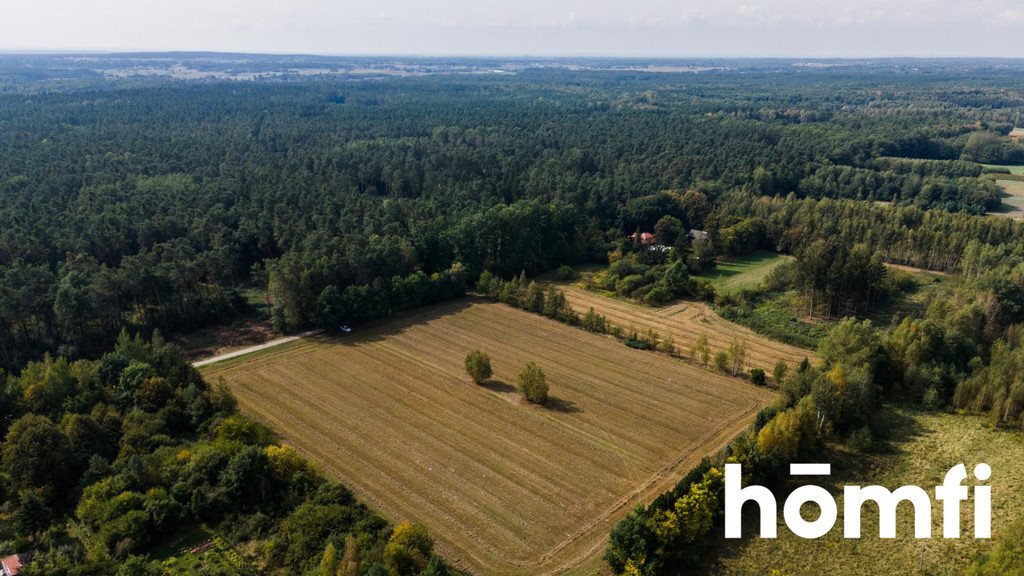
929	444
742	273
505	487
1013	202
1013	169
685	322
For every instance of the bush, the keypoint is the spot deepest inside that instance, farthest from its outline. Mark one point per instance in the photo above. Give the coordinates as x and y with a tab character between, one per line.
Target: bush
657	296
932	399
627	285
533	384
565	273
862	440
722	361
757	377
478	366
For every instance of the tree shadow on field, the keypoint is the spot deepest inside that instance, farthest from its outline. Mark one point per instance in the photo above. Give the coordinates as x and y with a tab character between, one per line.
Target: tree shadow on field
498	386
378	330
562	405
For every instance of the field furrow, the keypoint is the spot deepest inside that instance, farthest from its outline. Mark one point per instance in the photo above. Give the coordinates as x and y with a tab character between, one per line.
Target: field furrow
504	486
685	322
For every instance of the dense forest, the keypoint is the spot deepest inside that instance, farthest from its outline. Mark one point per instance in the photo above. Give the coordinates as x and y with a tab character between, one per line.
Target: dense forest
149	206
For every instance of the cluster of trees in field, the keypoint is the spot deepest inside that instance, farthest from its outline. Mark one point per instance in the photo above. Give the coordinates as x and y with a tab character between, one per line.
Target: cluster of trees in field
652	277
104	461
532	382
529	296
150	206
837	280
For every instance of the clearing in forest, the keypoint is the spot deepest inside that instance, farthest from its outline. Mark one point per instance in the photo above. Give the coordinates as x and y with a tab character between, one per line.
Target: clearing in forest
1017	170
504	487
1013	202
685	321
742	272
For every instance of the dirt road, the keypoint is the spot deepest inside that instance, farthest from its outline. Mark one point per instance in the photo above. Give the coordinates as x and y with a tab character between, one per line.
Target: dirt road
251	349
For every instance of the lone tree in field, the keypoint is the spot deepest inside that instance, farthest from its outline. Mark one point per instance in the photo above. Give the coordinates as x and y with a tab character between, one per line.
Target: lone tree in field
701	351
737	355
533	384
478	366
779	372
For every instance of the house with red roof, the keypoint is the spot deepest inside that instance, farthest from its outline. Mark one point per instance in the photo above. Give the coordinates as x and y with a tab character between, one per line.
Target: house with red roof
12	564
646	238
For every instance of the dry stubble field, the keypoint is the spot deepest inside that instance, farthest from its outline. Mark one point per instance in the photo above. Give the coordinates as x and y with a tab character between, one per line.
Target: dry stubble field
505	487
685	321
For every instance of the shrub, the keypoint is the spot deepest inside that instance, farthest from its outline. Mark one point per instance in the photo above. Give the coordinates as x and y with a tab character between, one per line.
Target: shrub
757	377
657	296
565	273
627	285
533	384
478	366
779	372
862	440
722	361
932	399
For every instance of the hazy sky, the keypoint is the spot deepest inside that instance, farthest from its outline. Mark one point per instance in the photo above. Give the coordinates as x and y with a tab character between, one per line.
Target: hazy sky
524	27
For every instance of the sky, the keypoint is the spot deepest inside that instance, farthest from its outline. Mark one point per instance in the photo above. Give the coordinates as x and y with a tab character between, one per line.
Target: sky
669	28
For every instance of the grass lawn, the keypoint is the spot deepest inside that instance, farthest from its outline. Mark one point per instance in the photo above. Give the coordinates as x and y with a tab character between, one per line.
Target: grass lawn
1013	198
925	446
744	272
1013	169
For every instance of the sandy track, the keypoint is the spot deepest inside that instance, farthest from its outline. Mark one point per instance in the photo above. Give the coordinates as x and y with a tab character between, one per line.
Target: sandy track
251	349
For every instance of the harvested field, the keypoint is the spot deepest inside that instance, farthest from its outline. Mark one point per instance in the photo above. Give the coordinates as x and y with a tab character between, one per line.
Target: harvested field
685	322
505	487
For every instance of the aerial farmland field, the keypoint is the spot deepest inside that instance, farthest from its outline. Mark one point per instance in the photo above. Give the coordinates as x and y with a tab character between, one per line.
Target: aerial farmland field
685	321
505	487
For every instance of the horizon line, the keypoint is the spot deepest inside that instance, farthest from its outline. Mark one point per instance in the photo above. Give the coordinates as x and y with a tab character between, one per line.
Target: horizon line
467	55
